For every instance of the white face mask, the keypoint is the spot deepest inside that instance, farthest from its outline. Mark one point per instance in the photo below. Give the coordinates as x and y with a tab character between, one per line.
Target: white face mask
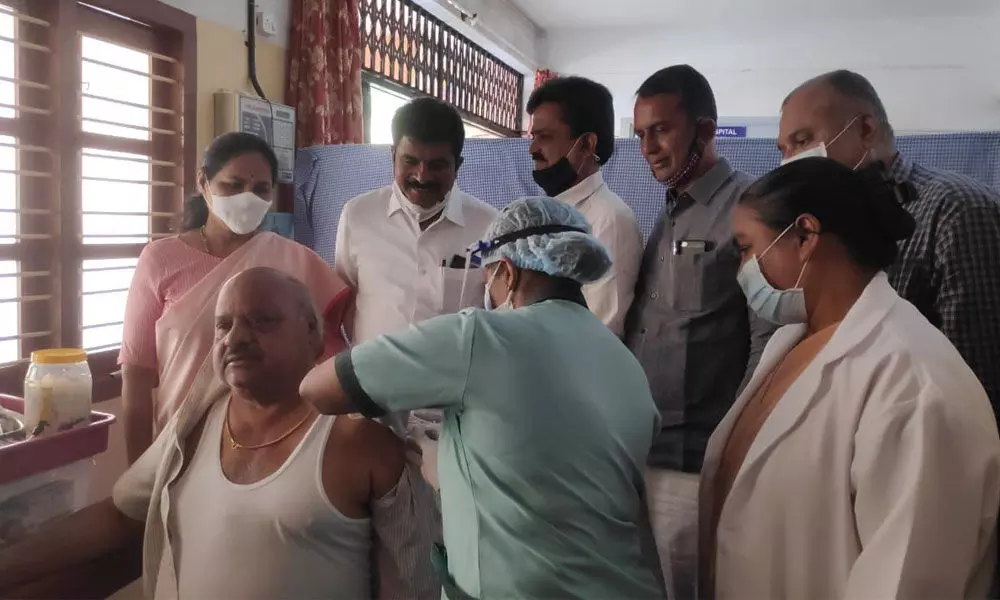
819	150
416	211
781	307
242	213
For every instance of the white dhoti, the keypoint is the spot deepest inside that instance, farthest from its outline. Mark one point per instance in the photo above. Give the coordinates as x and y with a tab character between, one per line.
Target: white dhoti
673	513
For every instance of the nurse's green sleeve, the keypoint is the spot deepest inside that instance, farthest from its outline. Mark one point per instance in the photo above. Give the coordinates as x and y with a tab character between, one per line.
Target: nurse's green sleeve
425	366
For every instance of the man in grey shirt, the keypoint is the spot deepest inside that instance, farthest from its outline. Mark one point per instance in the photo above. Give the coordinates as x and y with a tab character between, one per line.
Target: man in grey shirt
689	324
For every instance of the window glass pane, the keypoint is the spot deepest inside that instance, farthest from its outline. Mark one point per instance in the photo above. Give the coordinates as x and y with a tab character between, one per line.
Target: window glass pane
6	21
103	308
114	196
108	274
95	165
109	263
8	190
100	196
9	351
9	310
104	284
384	105
102	338
114	54
105	110
8	29
115	229
105	80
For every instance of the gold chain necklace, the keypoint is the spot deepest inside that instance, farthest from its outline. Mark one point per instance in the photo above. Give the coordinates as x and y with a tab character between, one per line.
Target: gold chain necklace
238	446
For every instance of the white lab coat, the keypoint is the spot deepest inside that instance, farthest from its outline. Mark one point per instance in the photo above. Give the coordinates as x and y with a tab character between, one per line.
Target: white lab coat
876	476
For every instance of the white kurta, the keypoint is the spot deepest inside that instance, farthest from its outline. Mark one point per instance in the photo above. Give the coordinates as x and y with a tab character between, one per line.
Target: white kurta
877	475
613	223
402	275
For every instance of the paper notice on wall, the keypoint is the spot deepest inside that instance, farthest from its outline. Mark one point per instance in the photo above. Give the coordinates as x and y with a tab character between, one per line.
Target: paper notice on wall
274	123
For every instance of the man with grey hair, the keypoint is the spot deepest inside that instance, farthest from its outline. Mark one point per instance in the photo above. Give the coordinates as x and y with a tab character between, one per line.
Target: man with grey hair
950	267
252	494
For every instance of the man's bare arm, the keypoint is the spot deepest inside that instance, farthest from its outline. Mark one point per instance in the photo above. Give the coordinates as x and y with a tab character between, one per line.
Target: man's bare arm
77	539
405	519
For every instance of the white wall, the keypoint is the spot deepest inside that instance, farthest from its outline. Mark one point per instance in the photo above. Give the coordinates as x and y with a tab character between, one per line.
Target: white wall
501	28
233	13
933	74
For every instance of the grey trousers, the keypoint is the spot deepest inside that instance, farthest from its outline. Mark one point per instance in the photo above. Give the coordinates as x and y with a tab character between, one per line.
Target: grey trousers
673	513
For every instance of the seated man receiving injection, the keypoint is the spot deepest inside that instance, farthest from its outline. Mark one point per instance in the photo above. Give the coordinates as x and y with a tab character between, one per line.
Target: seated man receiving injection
251	494
548	419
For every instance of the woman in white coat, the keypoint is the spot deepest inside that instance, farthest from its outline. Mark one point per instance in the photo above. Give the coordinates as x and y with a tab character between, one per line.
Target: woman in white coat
862	460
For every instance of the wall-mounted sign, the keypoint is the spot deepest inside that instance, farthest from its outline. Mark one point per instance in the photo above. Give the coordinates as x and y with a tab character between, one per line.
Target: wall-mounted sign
731	131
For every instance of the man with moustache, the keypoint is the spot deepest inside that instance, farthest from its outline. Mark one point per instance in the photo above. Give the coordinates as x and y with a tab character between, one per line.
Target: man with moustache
689	325
402	247
572	135
249	493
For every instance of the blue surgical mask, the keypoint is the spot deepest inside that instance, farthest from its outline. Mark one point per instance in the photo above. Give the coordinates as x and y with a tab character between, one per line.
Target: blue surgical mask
781	307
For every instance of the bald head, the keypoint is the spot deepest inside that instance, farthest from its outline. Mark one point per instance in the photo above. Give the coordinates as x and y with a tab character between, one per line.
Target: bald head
268	333
278	284
841	109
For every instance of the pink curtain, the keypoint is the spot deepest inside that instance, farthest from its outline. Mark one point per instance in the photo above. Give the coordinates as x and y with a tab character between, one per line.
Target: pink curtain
324	72
543	75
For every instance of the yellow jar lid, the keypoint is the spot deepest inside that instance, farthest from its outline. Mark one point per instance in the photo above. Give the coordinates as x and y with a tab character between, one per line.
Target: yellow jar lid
58	356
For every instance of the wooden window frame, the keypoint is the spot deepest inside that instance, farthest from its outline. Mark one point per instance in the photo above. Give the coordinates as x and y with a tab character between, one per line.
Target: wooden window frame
174	34
420	54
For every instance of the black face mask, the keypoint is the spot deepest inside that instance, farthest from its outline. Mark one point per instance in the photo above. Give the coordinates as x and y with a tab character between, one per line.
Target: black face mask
559	177
556	179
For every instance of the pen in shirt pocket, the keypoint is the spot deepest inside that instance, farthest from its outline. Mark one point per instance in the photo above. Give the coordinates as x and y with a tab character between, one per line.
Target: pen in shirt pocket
693	246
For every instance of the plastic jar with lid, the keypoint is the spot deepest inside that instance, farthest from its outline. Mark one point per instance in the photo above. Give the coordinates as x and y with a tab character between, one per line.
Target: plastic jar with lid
58	391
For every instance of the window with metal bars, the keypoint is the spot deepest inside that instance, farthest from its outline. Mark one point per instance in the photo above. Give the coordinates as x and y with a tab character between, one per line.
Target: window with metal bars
93	165
407	47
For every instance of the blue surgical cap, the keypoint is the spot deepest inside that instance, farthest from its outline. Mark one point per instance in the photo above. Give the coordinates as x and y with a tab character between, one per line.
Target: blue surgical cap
568	254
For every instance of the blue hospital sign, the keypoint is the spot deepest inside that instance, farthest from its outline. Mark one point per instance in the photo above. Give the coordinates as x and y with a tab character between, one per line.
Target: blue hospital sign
725	131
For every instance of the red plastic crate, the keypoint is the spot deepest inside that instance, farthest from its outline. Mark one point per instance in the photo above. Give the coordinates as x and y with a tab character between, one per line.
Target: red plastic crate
24	459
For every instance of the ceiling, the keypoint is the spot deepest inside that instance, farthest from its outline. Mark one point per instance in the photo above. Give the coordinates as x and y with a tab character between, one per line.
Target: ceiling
556	14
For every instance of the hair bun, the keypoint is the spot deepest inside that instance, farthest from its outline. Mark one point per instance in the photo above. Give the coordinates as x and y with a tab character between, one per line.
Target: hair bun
885	198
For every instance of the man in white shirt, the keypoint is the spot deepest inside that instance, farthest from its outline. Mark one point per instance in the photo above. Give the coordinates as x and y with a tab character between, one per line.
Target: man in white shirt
572	135
397	245
402	247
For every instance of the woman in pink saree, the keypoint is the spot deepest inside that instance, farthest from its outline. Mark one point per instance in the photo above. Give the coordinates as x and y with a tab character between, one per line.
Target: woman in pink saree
169	317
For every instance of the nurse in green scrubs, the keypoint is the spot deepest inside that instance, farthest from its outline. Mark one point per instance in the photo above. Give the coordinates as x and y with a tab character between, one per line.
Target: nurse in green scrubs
548	419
